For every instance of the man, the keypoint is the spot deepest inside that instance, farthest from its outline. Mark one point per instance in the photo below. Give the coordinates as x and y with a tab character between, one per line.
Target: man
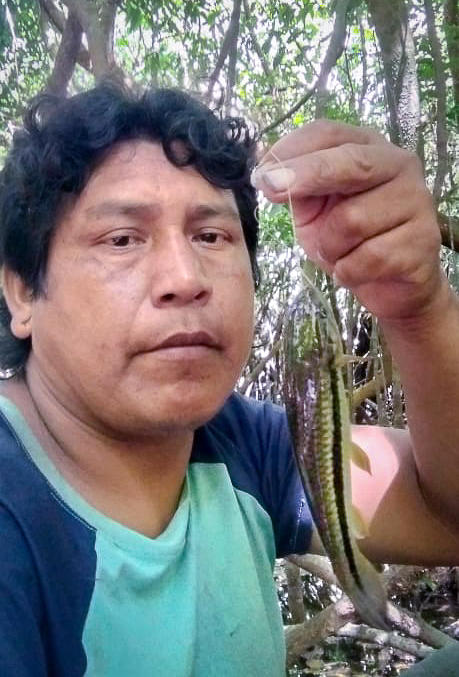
141	503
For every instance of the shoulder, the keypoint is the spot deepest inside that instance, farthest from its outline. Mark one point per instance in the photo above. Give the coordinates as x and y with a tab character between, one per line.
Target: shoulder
47	566
17	569
243	417
252	439
244	431
46	529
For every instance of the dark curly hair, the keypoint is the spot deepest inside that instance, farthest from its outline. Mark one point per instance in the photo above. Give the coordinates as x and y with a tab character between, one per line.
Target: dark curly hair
62	142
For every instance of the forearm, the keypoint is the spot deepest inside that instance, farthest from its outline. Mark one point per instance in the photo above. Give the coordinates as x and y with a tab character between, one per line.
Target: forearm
426	352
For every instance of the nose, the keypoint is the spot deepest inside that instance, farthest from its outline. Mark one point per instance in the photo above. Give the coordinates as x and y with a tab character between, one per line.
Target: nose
180	276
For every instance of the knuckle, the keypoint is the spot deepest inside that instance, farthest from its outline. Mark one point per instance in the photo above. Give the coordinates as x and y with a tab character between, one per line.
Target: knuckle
345	273
360	166
350	218
323	168
375	255
325	247
429	235
323	126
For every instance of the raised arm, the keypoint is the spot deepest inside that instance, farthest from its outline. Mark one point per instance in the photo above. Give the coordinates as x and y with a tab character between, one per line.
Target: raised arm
364	214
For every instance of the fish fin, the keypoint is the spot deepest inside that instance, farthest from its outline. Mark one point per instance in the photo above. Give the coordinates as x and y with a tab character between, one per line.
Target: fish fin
370	598
359	526
360	458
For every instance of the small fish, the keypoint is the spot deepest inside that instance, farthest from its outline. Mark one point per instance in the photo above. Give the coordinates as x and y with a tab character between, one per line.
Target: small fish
318	415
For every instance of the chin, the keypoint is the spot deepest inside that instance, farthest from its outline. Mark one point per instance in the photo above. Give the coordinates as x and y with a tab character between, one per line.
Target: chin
191	414
172	413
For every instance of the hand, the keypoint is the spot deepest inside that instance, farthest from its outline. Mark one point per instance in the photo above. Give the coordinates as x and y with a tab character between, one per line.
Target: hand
362	212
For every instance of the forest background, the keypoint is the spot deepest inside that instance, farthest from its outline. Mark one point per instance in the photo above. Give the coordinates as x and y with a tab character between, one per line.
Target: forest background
391	65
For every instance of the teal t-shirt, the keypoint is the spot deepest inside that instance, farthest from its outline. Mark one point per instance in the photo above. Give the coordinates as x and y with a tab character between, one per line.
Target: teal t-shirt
84	595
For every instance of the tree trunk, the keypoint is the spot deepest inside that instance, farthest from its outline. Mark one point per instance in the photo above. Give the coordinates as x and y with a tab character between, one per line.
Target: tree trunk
98	21
399	63
229	43
334	51
440	90
66	57
57	18
451	20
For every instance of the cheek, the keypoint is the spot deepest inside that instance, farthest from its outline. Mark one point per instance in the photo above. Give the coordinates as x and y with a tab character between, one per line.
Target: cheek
240	316
78	320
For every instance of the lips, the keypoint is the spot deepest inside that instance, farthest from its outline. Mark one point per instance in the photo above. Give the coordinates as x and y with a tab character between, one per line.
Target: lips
184	340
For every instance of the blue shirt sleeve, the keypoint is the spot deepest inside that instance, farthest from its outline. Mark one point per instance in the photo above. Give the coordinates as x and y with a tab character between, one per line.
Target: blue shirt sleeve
22	651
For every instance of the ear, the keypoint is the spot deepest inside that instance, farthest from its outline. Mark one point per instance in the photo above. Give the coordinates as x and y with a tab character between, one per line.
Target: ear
19	301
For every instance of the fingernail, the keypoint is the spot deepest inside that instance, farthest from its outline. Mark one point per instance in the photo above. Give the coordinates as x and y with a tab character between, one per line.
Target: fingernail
255	177
278	179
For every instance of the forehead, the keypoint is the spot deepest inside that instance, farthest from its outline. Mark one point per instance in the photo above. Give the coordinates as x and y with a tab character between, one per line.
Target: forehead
143	167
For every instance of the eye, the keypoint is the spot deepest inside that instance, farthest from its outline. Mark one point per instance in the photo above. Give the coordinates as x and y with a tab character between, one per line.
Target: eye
123	240
213	238
210	238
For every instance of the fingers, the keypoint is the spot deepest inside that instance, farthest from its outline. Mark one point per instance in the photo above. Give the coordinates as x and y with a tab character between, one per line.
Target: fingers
391	257
319	135
362	212
355	219
348	169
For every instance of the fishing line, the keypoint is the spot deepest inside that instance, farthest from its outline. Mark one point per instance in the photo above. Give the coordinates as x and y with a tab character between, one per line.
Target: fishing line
324	304
317	293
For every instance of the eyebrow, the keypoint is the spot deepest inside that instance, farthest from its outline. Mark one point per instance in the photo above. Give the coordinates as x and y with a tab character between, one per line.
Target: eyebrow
209	211
153	210
116	207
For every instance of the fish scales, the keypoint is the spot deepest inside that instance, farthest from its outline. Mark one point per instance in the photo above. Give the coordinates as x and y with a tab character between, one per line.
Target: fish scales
318	415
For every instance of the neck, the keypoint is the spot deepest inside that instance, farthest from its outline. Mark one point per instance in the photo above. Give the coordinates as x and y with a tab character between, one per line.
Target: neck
136	481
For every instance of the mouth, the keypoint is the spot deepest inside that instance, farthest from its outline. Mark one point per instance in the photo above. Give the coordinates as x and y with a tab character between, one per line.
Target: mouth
189	341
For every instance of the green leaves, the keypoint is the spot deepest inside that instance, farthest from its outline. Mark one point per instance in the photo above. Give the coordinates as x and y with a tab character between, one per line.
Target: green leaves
280	51
276	225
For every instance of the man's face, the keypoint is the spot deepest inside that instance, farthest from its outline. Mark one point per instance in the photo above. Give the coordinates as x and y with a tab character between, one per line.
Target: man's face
148	313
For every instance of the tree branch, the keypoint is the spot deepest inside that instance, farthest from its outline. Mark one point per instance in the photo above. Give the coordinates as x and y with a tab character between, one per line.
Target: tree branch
382	638
334	50
349	77
230	38
317	565
449	229
414	626
289	113
232	63
66	56
331	620
440	91
107	25
327	622
256	371
364	89
97	22
295	592
369	389
254	41
400	69
57	18
451	26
